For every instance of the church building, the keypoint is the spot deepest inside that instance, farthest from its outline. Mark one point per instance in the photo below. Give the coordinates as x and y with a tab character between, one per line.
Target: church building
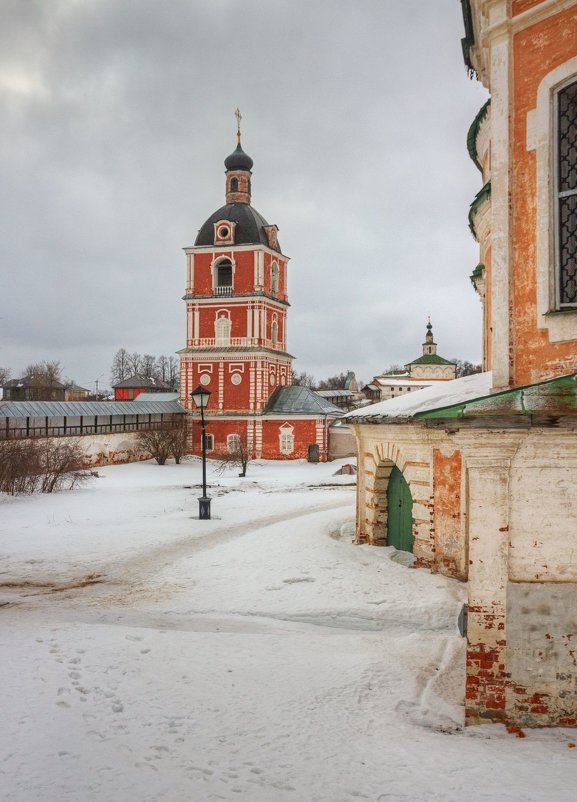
476	476
420	373
236	334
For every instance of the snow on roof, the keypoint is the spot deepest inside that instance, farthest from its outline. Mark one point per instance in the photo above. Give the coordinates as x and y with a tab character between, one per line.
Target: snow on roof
385	382
437	396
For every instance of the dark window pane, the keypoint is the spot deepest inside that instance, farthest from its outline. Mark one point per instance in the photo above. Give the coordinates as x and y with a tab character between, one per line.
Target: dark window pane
568	249
568	138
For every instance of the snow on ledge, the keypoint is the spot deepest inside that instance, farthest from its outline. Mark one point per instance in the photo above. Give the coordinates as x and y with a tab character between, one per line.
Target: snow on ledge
440	394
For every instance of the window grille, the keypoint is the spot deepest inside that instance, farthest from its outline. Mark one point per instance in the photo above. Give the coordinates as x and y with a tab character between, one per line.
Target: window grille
567	194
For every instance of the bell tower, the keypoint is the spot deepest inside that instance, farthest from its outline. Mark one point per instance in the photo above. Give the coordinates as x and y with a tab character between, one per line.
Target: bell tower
429	346
236	308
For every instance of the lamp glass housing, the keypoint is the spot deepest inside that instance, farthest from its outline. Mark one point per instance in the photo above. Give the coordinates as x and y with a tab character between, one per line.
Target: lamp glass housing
200	397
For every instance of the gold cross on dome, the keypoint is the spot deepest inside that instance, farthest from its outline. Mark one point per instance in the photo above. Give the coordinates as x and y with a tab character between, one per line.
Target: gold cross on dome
238	116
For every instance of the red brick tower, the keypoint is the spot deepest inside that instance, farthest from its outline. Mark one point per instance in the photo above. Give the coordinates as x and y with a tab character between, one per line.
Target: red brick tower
236	306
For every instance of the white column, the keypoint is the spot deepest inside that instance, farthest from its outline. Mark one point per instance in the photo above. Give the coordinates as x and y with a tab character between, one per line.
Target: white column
500	81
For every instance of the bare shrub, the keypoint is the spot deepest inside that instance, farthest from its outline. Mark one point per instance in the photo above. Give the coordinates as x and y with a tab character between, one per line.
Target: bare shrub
45	465
178	444
62	465
157	442
19	466
237	455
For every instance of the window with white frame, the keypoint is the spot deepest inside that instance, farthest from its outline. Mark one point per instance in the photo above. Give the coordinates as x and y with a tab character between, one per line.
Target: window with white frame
566	195
222	331
274	331
287	441
233	443
209	442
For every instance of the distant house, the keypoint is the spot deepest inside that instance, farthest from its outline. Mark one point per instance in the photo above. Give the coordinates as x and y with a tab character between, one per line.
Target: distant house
26	390
72	392
129	389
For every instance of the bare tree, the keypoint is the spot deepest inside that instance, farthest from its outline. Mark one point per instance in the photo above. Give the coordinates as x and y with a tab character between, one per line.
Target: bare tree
156	442
148	366
134	363
120	369
237	454
333	382
179	440
394	369
303	380
4	375
161	368
43	374
173	372
466	368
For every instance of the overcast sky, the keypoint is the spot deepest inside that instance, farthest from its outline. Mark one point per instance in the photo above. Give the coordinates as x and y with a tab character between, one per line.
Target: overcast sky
116	116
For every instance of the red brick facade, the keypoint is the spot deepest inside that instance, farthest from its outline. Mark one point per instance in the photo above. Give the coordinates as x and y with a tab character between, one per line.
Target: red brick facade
236	311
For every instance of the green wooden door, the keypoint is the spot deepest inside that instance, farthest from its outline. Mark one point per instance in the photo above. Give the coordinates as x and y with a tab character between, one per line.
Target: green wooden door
400	512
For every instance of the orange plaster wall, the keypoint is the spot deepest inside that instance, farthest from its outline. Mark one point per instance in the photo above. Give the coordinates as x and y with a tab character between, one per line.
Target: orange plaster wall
518	6
449	538
537	50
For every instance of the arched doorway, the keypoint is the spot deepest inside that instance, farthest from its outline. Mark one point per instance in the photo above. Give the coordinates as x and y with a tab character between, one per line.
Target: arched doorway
399	512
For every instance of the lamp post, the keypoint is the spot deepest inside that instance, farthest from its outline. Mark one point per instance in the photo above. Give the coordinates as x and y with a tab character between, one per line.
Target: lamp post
200	397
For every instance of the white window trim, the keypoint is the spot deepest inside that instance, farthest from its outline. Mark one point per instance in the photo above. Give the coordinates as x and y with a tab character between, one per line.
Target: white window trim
232	442
542	138
220	340
215	263
286	431
209	442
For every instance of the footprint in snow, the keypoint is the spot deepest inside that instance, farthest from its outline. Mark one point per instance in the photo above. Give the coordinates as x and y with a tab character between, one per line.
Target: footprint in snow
293	580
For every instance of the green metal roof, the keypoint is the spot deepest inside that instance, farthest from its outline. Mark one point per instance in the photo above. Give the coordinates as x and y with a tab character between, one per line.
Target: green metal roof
59	409
474	131
555	397
431	359
482	195
478	272
297	400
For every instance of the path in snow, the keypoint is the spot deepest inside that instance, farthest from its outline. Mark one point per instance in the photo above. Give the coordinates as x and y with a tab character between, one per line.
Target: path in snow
263	661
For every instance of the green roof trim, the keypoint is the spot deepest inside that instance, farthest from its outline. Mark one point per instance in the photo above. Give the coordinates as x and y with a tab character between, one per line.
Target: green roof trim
474	131
469	39
477	274
431	359
554	397
482	195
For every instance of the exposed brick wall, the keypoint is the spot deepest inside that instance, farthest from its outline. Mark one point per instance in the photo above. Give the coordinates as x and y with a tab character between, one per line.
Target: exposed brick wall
450	546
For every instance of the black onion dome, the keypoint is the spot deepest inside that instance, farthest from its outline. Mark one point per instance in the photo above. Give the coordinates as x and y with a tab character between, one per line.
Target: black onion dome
249	226
238	160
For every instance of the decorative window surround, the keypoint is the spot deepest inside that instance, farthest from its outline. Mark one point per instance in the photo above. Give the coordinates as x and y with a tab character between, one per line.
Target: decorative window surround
541	133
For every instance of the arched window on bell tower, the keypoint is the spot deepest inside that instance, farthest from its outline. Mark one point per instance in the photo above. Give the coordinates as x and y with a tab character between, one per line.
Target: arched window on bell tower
234	184
274	331
223	277
222	328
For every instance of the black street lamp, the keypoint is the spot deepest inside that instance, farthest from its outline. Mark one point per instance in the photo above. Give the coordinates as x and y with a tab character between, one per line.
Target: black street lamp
200	397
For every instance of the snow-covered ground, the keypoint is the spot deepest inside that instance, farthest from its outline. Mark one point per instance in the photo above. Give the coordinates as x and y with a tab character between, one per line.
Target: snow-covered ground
259	656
